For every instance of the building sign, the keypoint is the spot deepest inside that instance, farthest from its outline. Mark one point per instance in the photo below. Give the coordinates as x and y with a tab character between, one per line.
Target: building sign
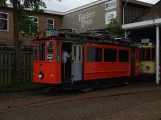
86	18
110	5
109	16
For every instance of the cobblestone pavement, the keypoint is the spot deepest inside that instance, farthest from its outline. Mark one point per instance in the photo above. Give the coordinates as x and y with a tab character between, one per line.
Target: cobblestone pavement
140	106
45	98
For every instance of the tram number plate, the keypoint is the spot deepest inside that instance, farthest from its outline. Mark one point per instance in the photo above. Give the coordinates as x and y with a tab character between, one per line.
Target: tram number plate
49	33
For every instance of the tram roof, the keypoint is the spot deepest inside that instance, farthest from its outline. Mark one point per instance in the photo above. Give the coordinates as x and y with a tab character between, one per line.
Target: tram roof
99	36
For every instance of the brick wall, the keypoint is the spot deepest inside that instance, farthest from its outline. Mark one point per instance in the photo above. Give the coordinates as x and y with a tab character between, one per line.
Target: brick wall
6	37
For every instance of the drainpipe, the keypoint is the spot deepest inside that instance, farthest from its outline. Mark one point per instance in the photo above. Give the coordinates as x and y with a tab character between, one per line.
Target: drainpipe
157	54
124	15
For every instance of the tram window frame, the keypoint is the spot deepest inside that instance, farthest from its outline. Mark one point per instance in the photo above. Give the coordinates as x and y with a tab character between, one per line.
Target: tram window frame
113	55
57	51
42	51
123	55
51	52
94	54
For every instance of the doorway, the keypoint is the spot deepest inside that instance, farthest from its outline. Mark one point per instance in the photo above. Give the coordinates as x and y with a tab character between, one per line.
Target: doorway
66	62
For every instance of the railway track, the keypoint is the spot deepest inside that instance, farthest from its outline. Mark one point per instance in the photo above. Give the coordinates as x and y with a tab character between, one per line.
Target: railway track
39	100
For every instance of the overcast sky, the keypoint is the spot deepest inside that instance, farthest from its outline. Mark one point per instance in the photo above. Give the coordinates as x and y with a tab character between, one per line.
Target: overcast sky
66	5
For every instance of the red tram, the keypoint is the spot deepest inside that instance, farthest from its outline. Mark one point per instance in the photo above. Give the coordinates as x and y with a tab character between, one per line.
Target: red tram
93	59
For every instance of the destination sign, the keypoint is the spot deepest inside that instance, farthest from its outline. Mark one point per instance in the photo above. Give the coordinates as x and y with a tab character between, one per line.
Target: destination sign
50	33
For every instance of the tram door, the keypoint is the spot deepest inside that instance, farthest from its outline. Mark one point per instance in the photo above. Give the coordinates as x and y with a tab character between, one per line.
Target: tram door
77	62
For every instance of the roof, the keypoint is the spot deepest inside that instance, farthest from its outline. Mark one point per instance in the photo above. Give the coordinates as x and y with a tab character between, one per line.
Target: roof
142	24
139	3
148	19
45	11
102	1
155	8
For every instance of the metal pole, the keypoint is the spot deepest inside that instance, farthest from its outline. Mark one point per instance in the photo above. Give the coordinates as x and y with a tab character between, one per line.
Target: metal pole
157	54
124	12
125	34
123	16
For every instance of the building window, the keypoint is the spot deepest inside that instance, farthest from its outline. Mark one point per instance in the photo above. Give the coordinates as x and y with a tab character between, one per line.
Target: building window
94	54
34	23
3	21
50	23
110	55
123	56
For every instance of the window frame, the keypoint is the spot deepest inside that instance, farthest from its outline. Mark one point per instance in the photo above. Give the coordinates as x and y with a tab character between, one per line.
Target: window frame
94	47
50	24
37	19
7	21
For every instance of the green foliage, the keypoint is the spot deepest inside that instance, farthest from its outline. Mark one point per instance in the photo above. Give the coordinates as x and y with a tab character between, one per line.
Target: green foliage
115	28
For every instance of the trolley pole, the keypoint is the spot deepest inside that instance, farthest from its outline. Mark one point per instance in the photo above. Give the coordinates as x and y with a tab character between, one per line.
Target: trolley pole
157	54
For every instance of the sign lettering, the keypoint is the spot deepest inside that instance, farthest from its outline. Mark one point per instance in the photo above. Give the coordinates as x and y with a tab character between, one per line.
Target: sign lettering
86	18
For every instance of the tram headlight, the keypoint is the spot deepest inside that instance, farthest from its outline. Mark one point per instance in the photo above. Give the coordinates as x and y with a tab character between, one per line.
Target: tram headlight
147	68
41	75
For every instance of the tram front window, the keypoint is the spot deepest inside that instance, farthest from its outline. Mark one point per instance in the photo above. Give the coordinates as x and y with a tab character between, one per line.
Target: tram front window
142	54
50	51
147	54
42	51
35	50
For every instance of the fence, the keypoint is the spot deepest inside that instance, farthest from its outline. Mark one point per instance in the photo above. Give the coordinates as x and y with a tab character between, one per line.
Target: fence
7	65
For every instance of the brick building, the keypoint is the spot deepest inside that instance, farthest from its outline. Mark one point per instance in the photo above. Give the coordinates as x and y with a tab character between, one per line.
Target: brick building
90	16
46	20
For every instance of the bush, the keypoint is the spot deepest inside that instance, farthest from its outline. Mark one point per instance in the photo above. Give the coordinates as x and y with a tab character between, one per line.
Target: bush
115	28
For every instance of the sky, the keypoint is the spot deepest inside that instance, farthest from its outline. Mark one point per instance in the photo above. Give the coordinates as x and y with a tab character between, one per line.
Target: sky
66	5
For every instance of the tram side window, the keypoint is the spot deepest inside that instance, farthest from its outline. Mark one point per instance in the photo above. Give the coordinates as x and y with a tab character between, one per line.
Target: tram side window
110	55
50	53
42	51
94	54
123	56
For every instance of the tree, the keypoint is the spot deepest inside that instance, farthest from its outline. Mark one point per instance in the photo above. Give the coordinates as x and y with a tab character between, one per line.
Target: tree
115	28
21	23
